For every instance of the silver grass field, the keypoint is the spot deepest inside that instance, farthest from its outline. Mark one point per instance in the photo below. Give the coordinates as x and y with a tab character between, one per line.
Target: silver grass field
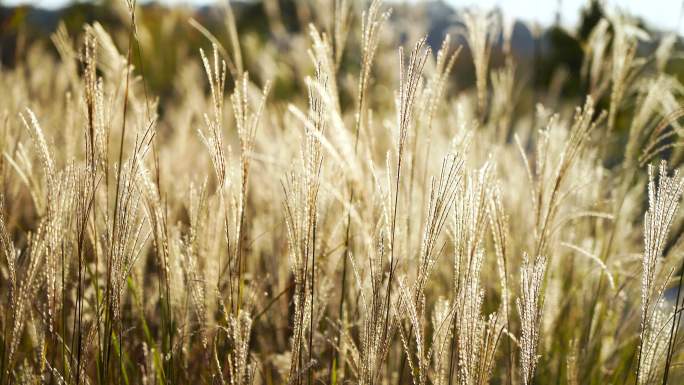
381	225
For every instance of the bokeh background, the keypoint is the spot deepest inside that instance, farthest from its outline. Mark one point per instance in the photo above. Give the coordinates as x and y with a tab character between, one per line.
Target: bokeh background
547	36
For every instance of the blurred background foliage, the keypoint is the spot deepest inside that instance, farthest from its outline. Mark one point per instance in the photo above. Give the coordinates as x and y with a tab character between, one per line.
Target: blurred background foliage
548	59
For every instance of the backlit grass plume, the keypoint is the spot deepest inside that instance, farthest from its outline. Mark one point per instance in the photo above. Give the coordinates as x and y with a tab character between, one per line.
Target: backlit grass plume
339	195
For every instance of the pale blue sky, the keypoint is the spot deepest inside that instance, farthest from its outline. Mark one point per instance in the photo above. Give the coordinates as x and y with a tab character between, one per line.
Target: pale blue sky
661	14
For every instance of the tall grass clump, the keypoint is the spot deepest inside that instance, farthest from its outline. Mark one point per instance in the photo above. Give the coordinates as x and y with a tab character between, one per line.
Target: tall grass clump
323	202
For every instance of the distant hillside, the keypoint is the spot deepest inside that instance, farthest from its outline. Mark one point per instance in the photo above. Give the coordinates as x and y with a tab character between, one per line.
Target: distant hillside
540	55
